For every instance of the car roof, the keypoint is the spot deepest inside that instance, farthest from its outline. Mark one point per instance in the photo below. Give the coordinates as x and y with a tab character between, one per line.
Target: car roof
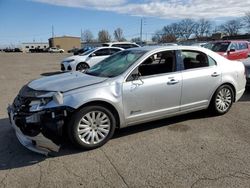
107	47
156	49
228	41
119	42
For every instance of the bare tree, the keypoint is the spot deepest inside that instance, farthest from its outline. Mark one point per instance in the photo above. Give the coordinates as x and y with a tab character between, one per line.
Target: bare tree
231	27
136	40
246	20
202	28
103	36
87	36
186	28
157	36
118	35
172	30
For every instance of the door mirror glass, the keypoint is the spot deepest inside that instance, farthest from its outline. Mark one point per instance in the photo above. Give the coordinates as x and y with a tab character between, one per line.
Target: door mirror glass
92	55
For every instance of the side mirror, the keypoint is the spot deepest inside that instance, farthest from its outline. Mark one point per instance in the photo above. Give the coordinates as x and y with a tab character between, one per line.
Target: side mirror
232	50
135	76
92	55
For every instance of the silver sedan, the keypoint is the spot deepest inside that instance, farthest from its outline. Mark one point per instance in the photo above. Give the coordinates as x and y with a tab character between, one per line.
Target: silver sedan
130	87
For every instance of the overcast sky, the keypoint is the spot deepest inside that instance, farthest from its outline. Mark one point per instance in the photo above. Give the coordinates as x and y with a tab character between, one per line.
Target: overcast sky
31	20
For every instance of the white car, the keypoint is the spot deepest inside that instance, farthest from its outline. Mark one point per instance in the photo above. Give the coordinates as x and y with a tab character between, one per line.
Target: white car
124	45
55	50
87	59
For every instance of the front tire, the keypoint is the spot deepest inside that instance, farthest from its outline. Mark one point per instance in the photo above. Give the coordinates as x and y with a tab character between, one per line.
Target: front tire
82	67
222	100
91	127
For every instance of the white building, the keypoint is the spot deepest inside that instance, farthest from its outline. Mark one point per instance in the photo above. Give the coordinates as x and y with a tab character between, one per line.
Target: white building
34	45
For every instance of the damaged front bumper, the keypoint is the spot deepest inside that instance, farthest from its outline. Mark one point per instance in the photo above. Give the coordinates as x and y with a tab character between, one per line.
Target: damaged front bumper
39	131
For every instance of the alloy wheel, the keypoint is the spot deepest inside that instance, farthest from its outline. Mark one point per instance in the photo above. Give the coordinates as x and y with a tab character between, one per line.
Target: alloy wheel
223	100
94	127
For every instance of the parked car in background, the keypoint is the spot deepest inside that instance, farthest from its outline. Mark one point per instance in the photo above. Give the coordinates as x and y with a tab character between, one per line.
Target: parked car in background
247	67
82	50
130	87
248	49
73	50
55	50
233	50
87	59
12	50
201	44
124	45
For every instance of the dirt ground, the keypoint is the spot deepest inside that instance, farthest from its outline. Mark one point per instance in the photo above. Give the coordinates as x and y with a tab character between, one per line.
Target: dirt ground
194	150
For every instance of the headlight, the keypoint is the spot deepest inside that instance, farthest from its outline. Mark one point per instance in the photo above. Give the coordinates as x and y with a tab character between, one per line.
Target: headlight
39	104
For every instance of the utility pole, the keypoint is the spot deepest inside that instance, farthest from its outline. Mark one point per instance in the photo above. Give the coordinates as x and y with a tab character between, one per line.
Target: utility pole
141	32
81	35
52	31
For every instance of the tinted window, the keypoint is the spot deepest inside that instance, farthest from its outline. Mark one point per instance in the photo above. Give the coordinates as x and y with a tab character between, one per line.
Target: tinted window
234	46
124	46
159	63
243	46
102	52
194	59
113	50
220	46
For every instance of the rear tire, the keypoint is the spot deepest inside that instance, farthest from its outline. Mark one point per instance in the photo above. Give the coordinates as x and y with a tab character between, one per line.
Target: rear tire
82	67
91	127
222	100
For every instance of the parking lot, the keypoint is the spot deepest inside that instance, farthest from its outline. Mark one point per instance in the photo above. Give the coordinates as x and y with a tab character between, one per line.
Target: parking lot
194	150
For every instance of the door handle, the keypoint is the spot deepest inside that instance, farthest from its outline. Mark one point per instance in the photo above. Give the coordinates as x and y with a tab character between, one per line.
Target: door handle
172	82
215	74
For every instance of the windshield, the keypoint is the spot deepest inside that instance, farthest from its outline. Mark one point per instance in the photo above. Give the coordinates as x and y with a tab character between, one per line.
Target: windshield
115	64
219	46
88	52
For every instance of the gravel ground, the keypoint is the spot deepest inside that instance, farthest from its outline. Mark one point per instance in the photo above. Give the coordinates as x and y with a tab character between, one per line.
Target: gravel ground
194	150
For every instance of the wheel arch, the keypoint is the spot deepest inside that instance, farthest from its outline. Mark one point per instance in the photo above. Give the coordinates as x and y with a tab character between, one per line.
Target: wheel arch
229	84
82	62
106	105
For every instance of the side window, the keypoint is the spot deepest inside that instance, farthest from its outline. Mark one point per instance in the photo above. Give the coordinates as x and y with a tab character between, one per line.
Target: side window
117	45
243	46
158	63
133	46
114	50
194	59
211	61
102	52
234	46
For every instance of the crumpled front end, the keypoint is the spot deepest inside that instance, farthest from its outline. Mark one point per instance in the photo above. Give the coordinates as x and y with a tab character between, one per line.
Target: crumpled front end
37	128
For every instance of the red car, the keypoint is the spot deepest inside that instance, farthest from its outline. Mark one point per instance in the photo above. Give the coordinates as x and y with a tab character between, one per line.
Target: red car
230	49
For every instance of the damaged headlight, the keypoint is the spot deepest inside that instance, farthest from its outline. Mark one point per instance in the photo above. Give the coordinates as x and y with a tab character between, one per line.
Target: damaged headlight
39	104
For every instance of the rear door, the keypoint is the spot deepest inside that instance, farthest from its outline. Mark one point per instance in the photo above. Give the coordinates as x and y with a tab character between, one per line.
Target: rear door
201	77
98	56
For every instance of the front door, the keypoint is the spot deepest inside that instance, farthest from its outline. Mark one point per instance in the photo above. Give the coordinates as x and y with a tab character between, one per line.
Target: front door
156	92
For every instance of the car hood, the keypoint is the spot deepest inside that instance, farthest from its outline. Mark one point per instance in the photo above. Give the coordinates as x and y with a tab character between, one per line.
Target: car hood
65	82
76	57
